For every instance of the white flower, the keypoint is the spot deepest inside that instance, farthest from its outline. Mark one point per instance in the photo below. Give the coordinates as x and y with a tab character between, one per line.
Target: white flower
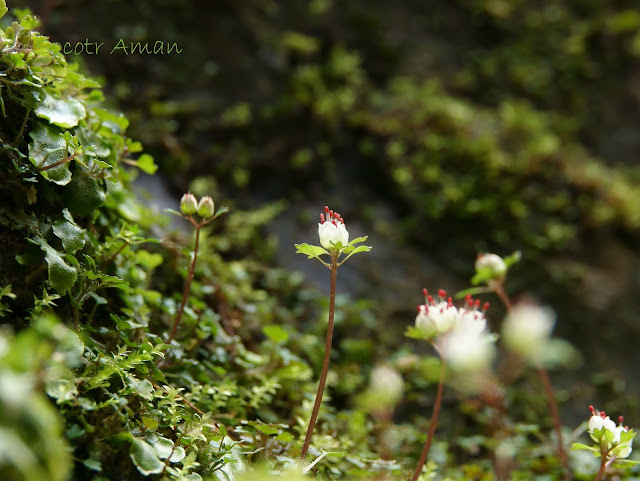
438	318
386	385
494	263
526	329
600	424
466	350
332	229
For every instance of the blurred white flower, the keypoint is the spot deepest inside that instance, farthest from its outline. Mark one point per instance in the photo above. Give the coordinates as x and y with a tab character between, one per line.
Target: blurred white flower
332	229
386	386
526	330
466	350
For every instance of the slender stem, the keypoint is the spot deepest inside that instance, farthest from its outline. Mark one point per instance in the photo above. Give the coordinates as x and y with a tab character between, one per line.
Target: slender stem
327	356
603	465
500	292
548	388
557	424
432	425
187	287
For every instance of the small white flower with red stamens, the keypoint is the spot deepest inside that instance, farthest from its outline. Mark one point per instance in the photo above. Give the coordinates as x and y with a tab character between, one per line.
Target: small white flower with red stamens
331	229
436	318
612	439
599	423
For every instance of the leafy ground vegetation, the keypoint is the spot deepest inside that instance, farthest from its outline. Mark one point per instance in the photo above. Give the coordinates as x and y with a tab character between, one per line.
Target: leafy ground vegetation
94	385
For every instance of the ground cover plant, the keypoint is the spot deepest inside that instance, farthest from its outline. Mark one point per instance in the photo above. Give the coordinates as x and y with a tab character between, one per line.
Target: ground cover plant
130	350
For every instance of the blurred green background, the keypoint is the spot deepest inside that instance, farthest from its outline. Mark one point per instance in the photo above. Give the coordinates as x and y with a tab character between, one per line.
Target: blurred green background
441	129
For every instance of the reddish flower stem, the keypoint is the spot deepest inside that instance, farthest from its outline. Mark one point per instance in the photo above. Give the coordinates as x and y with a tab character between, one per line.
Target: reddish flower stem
548	389
432	425
187	287
327	356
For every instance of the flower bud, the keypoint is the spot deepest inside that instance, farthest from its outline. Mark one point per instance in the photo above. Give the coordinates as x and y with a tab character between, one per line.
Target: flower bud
205	207
188	204
493	263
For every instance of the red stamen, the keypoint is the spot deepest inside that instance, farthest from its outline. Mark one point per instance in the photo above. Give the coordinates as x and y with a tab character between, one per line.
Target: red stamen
442	293
425	292
593	410
334	223
326	209
419	308
477	303
322	218
331	214
449	302
430	300
485	307
620	420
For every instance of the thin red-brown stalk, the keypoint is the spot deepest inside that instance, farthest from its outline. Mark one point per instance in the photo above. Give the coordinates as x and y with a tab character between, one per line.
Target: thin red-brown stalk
327	357
603	464
548	388
187	287
557	424
432	425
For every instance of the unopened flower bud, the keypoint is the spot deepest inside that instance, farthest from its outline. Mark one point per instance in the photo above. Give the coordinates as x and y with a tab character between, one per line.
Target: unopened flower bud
493	263
205	207
188	204
386	386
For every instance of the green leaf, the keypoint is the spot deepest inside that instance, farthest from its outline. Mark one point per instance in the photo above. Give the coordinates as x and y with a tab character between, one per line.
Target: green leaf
62	276
71	235
3	8
513	258
576	446
145	457
276	334
266	429
48	148
353	251
145	164
65	113
310	251
472	291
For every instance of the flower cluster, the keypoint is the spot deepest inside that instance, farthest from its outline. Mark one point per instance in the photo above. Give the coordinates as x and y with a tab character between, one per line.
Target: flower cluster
438	317
332	230
614	441
459	334
190	206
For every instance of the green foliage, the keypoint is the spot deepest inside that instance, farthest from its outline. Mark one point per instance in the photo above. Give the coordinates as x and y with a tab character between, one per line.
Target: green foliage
97	393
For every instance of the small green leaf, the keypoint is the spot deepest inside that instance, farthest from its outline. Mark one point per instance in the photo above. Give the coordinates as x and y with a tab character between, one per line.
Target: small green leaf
356	250
71	235
145	164
3	8
48	148
576	446
310	251
62	276
145	457
92	464
285	437
266	429
276	334
65	113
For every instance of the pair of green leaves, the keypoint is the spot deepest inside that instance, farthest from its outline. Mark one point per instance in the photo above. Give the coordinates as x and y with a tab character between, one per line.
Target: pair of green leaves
312	251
